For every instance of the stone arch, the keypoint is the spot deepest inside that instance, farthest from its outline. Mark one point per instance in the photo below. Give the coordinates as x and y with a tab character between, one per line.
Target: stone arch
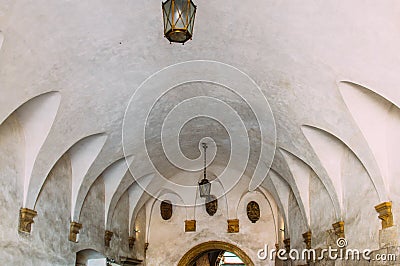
198	250
84	255
36	117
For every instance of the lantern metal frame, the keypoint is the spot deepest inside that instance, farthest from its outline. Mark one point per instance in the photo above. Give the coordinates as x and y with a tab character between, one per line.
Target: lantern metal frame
178	20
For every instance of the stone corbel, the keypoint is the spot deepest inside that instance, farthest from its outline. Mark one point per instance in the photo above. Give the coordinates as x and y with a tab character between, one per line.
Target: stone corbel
26	219
233	226
131	241
190	226
338	229
74	231
307	239
385	214
107	238
286	242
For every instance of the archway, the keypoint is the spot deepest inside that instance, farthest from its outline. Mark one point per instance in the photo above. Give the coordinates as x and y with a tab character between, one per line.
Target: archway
84	257
194	253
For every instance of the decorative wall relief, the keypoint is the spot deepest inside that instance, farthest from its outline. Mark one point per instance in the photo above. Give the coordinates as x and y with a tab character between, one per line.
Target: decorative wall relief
233	226
253	211
190	226
166	209
211	205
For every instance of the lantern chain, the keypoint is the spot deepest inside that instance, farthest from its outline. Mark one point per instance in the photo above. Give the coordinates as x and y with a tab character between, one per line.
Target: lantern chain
205	160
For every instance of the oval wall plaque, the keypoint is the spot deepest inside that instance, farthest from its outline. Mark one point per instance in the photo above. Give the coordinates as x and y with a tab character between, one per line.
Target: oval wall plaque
253	211
212	205
166	209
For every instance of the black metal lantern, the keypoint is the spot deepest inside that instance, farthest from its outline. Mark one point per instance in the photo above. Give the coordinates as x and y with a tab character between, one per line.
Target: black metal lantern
205	188
205	185
178	20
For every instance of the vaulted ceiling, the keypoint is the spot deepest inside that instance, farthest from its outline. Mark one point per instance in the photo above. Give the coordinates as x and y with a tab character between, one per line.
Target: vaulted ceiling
98	81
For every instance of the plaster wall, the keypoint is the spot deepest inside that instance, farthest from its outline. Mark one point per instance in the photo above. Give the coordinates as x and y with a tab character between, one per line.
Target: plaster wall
48	242
321	211
168	241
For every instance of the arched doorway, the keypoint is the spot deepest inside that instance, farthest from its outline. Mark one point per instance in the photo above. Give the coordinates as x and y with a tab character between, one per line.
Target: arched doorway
196	252
87	257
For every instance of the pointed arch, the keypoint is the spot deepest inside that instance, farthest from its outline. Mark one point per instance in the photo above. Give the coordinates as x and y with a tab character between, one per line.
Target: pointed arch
36	117
366	105
112	178
297	161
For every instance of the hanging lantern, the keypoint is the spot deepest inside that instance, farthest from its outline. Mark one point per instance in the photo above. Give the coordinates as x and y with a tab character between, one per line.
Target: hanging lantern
178	20
205	185
205	188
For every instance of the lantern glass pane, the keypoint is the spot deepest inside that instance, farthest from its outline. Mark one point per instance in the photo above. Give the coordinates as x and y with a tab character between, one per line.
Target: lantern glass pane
201	190
185	13
192	9
180	4
205	189
167	15
191	15
190	26
180	14
179	23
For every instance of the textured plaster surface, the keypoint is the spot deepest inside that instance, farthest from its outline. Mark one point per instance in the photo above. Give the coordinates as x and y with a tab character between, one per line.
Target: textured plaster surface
300	54
120	228
210	228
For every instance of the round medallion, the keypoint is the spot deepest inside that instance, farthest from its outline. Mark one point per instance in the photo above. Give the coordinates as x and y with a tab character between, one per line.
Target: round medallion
253	211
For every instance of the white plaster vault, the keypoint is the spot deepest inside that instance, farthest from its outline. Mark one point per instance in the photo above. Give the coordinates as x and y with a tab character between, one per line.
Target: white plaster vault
308	87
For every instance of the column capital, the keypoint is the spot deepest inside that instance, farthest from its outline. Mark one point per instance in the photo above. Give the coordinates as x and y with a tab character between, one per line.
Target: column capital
26	220
338	228
131	241
74	229
286	242
107	238
307	239
385	214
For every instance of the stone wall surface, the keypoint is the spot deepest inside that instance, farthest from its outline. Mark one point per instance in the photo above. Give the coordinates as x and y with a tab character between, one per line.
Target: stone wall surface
48	244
